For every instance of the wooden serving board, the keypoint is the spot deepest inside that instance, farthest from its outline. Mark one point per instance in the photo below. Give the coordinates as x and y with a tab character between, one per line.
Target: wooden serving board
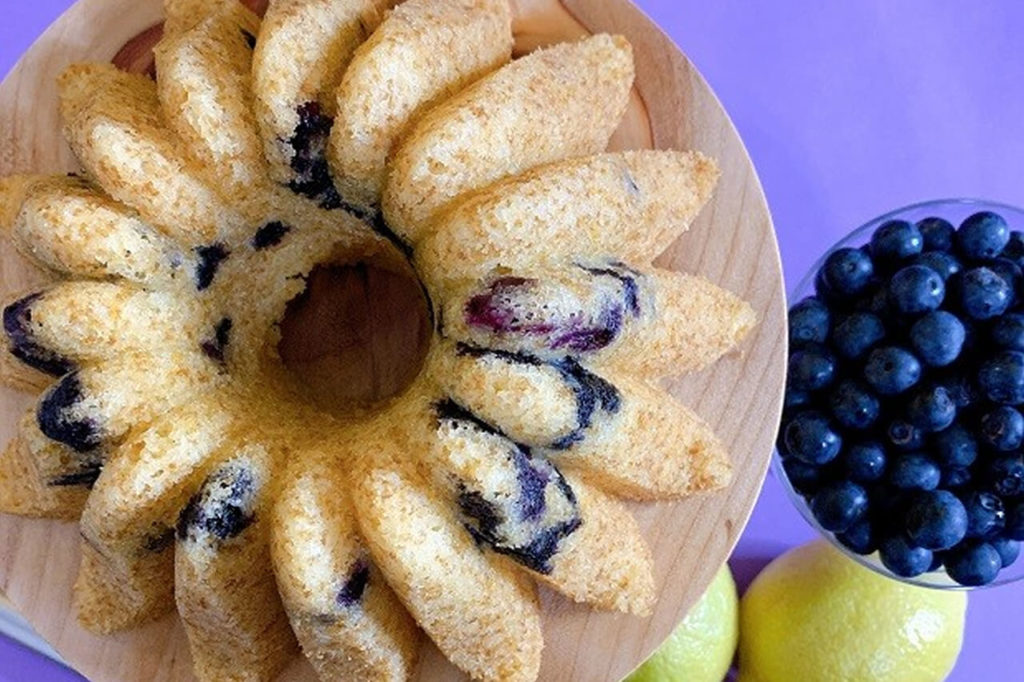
732	243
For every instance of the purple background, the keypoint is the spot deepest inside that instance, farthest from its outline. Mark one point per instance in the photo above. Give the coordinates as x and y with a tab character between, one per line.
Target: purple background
849	110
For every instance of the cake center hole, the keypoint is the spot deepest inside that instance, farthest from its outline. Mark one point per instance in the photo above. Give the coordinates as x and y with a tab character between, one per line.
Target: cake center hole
358	334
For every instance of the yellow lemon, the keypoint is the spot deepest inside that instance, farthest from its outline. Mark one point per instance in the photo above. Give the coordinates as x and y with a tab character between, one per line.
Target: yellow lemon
701	648
814	615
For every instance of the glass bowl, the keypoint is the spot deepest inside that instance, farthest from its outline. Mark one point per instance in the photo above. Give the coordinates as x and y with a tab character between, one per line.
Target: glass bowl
955	211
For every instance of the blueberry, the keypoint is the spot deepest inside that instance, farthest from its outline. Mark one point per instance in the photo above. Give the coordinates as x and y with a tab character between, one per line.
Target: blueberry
1001	377
848	271
17	323
945	264
891	370
955	477
983	236
916	289
864	462
208	261
896	240
1009	272
1008	550
984	294
936	520
215	346
961	388
902	559
859	538
808	322
914	471
270	235
811	438
904	436
985	514
886	504
1014	528
805	478
936	233
60	416
973	565
931	409
1003	428
938	338
839	505
224	507
796	399
510	310
955	447
823	290
1008	331
1006	474
853	405
876	301
811	369
309	143
1014	249
856	334
355	584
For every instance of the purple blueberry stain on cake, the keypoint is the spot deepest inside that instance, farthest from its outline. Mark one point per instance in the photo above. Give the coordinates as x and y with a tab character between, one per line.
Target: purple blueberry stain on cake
355	585
631	185
449	410
215	347
533	482
159	540
224	506
85	477
528	527
628	278
17	326
60	416
309	157
208	262
515	310
270	235
592	392
497	309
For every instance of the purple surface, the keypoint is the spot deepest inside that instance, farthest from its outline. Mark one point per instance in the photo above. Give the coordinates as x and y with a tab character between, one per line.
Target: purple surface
849	110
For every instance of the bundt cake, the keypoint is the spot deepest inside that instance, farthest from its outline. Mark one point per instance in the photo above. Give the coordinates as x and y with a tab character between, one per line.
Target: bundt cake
340	132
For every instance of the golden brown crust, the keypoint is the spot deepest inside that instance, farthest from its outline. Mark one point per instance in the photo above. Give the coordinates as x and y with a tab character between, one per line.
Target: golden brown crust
127	572
349	622
680	454
113	123
628	206
32	474
206	97
303	49
423	53
440	576
66	225
224	586
590	568
569	99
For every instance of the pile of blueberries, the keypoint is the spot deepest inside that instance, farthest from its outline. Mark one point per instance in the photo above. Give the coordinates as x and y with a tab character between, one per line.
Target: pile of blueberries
903	424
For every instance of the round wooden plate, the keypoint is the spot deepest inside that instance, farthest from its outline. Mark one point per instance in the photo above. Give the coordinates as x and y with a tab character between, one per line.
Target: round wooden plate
732	243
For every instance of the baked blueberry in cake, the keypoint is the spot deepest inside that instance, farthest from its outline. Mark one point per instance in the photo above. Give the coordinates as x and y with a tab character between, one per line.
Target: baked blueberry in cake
343	132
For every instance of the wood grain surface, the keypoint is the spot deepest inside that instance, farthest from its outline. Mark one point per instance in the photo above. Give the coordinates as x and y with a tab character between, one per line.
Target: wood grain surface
732	243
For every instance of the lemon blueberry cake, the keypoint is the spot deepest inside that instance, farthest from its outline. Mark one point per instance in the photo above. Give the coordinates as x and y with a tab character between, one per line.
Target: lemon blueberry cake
342	132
